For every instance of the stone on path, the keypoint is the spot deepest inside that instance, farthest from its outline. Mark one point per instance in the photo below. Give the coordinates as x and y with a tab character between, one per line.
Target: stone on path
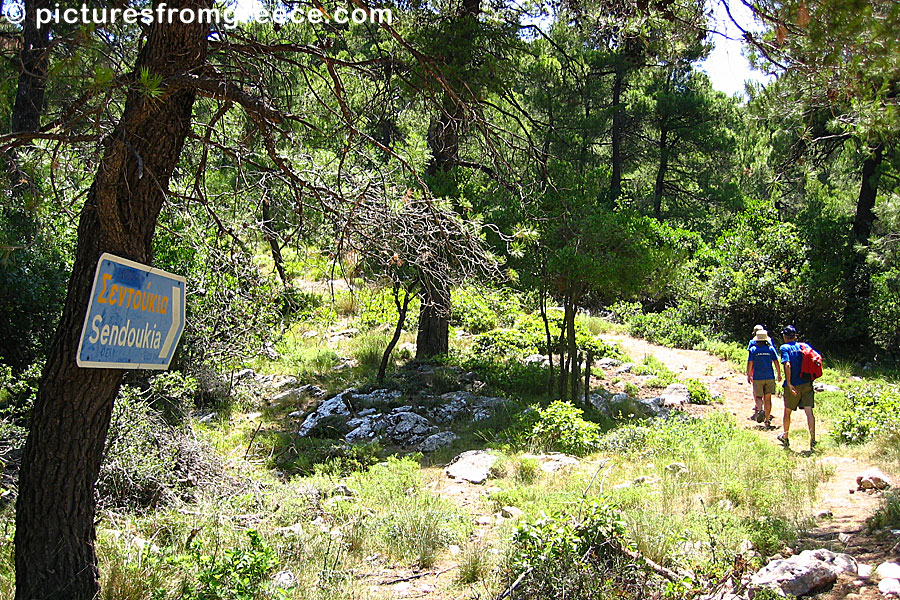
676	395
888	570
803	573
552	461
473	466
511	512
873	479
889	587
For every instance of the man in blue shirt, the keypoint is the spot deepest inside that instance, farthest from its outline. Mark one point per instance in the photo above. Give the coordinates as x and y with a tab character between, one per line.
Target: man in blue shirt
761	375
798	392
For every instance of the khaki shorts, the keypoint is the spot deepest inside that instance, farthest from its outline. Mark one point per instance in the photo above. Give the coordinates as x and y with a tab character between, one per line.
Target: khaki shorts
762	387
803	398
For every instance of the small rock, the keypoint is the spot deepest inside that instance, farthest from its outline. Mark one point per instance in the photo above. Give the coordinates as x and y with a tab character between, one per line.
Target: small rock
845	538
552	461
295	529
427	589
511	512
824	514
677	468
342	490
438	440
888	570
889	587
607	363
207	418
253	416
675	395
864	571
484	520
402	587
284	579
536	359
873	478
473	466
626	368
244	373
454	549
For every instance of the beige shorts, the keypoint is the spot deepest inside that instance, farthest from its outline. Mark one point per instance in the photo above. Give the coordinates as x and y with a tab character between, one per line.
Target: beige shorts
762	387
804	397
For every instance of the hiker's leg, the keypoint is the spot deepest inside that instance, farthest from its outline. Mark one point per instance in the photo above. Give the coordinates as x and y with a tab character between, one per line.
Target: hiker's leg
767	403
786	421
811	422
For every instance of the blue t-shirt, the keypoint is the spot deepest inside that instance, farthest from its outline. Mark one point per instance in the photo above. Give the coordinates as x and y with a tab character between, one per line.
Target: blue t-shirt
791	352
762	355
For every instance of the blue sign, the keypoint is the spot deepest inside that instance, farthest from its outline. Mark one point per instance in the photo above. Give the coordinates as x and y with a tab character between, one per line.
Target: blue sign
135	317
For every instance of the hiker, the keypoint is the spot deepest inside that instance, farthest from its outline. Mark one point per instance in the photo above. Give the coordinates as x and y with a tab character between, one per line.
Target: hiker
762	364
752	342
798	392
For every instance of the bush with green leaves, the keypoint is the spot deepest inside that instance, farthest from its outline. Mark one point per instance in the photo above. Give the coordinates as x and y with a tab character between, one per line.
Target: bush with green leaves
562	428
667	328
18	392
698	391
238	574
867	413
478	310
575	557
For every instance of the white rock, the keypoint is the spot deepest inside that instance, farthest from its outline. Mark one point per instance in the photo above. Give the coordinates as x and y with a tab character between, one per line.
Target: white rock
473	466
889	587
888	570
438	440
864	571
284	579
873	478
511	512
675	395
552	461
328	408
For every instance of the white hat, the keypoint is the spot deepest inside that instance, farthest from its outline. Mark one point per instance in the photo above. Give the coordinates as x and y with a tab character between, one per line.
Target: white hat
758	328
762	335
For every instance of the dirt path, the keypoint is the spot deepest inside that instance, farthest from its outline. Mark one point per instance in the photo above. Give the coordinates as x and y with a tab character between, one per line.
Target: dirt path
845	530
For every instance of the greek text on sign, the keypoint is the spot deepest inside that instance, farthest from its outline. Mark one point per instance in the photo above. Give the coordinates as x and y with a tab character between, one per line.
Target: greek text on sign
134	319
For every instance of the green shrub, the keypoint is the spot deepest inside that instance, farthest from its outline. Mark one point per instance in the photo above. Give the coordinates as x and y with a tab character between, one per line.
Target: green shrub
239	574
559	557
307	455
867	413
18	392
698	391
666	328
479	310
173	394
510	377
888	514
661	374
369	347
631	389
562	428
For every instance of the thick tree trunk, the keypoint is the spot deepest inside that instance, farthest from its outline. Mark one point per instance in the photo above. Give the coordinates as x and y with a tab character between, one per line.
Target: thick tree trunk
32	84
661	173
868	191
433	336
618	117
54	537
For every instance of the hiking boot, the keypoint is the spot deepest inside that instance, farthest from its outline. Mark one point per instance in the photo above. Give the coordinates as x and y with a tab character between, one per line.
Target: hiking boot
812	445
760	416
768	423
783	438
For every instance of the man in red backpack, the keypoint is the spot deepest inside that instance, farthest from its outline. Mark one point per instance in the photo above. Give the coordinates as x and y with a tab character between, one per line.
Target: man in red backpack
798	388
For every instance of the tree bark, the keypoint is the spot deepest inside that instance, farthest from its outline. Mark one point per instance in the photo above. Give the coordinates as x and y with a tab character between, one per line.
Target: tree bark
402	308
433	336
868	191
269	234
54	539
615	182
661	173
543	306
32	85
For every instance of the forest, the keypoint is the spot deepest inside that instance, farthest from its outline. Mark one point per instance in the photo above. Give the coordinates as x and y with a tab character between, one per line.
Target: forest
528	235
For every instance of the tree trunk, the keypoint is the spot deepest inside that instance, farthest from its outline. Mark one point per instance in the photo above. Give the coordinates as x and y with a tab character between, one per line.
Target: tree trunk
575	359
868	191
618	117
402	307
661	173
29	106
543	306
269	234
433	336
54	539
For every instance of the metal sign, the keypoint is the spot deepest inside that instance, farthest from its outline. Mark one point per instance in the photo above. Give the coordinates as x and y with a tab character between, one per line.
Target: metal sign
134	319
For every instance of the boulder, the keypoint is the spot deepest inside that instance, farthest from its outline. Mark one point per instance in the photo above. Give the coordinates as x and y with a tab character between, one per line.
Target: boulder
284	579
889	587
294	394
243	374
437	440
824	387
452	406
873	479
511	512
626	368
677	468
803	573
676	395
888	570
622	405
473	466
552	461
338	405
364	428
607	363
407	428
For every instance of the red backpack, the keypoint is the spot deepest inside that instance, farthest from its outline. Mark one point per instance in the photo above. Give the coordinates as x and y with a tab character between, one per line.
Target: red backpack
811	363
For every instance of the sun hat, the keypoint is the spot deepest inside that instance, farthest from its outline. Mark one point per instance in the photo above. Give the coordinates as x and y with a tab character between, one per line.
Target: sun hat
758	328
790	330
762	335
